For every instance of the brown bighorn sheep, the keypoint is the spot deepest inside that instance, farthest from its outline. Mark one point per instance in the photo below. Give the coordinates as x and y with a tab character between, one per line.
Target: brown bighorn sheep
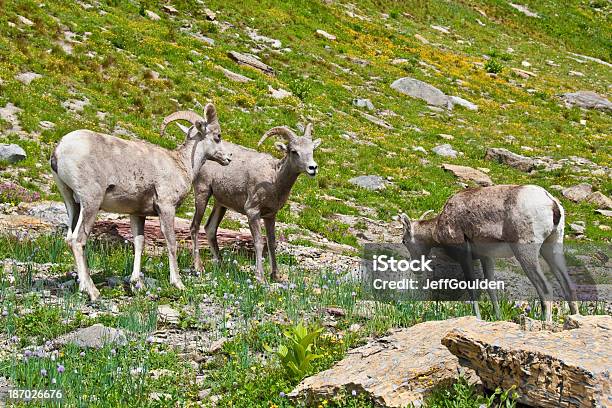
255	184
499	222
95	171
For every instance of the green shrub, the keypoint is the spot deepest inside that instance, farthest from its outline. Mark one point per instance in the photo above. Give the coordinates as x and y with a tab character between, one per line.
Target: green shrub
494	66
300	88
297	355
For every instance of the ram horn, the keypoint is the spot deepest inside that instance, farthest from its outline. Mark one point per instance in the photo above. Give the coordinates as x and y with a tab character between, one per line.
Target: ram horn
283	131
308	131
425	214
189	116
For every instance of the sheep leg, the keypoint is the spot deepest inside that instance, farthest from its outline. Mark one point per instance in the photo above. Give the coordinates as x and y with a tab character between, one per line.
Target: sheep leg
86	220
72	207
270	224
527	255
488	269
255	227
166	221
211	227
463	254
201	201
553	255
137	224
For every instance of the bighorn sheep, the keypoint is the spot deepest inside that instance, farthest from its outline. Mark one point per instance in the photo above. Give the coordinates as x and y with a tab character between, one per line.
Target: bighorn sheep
255	184
95	171
499	222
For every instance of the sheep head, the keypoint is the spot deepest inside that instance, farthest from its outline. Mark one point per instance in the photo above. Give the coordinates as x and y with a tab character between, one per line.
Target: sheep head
299	149
417	235
206	133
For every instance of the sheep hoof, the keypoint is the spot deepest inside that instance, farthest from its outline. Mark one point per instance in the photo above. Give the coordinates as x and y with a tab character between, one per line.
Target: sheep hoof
179	285
94	294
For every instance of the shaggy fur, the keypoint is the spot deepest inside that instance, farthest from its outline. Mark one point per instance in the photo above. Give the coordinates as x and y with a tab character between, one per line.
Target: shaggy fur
499	222
95	171
254	184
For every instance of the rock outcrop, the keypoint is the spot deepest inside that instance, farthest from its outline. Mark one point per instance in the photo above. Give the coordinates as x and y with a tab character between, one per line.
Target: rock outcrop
505	156
394	371
469	174
587	100
565	369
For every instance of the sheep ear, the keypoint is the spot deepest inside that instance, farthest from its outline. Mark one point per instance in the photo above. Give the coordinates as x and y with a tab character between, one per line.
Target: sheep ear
281	146
316	143
211	113
407	223
201	126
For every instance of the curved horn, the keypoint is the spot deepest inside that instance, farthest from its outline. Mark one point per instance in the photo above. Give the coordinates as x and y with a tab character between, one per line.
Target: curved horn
424	214
189	116
283	131
308	131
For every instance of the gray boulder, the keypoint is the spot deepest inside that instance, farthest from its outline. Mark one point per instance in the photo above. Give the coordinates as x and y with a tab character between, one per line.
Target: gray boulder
11	153
505	156
587	100
445	150
96	336
577	193
421	90
373	183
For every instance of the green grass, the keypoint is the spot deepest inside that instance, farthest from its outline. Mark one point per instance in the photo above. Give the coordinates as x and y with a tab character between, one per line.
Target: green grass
118	80
243	374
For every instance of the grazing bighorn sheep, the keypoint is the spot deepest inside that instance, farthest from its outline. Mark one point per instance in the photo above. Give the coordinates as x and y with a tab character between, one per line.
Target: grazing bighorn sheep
95	171
499	222
255	184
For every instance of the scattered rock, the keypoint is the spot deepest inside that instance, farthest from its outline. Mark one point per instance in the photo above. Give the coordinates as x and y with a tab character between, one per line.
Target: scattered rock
607	213
421	38
524	74
9	114
326	35
255	36
27	77
576	73
363	103
279	93
167	314
25	21
577	228
210	15
11	153
421	90
233	76
444	30
524	10
455	100
468	173
45	124
75	105
152	16
445	150
587	100
251	61
216	346
398	370
600	200
169	9
376	121
505	156
578	192
569	368
374	183
588	322
160	396
597	60
96	336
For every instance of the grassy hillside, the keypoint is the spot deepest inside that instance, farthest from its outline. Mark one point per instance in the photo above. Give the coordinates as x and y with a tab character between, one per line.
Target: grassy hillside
133	71
120	66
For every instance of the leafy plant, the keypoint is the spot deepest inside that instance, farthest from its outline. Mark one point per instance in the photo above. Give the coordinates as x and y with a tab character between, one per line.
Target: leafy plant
300	88
493	66
297	355
464	395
